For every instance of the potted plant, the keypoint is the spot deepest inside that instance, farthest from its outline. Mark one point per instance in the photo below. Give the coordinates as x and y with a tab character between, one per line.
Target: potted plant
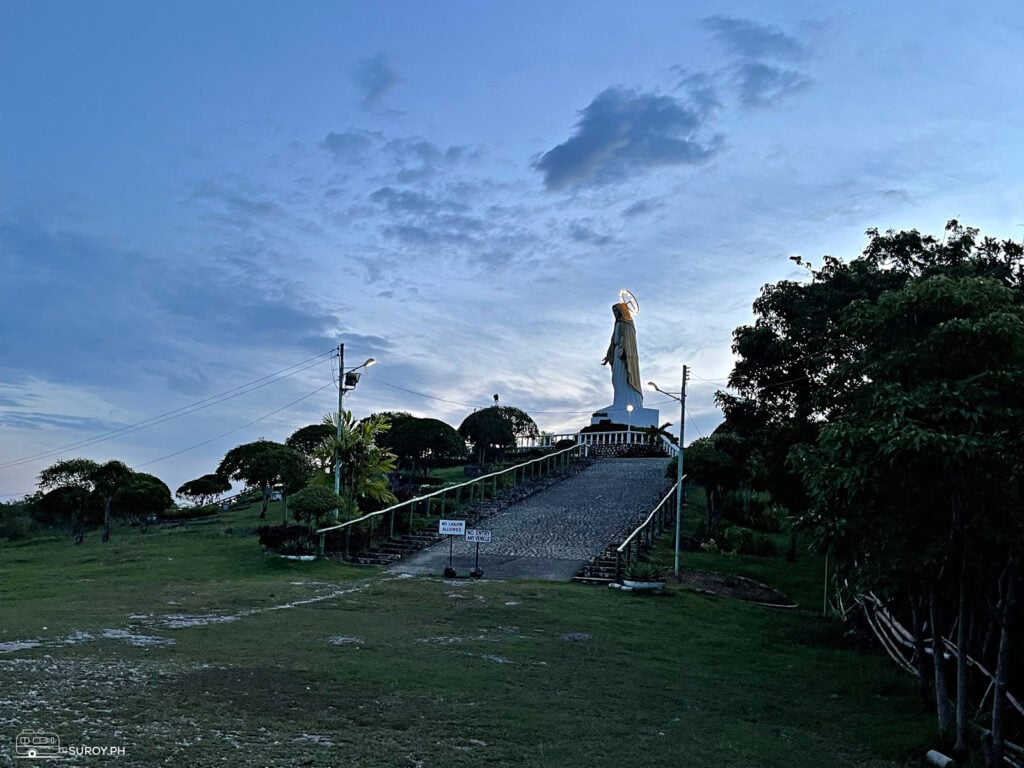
644	577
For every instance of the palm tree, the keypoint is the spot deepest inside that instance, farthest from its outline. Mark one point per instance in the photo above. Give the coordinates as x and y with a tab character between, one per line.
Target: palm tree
365	464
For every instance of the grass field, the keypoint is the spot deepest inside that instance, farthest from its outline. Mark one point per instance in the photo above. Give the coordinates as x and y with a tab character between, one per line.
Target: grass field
187	646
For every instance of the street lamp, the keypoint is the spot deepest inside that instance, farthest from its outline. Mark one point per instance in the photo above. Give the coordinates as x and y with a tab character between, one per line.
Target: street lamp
629	424
681	399
347	380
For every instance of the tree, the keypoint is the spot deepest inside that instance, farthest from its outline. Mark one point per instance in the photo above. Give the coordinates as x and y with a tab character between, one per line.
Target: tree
497	427
70	484
923	454
307	440
881	397
314	505
204	490
78	486
394	418
365	464
712	468
260	464
67	504
423	443
140	497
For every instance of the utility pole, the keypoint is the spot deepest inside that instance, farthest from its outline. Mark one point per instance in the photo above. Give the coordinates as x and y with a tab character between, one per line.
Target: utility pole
679	464
679	456
341	397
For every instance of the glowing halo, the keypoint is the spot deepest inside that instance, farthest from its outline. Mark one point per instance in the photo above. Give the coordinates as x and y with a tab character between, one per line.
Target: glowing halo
627	298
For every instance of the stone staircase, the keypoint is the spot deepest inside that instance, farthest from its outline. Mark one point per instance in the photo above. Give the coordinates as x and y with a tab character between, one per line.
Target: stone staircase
395	549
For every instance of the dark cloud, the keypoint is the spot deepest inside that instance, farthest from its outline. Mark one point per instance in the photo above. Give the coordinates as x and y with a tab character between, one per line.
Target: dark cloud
36	420
583	231
623	133
375	78
236	204
418	159
105	314
762	84
409	202
749	39
640	207
350	145
757	74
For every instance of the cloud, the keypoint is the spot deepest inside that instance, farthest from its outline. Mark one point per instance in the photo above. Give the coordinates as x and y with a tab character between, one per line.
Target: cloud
376	78
109	315
762	84
583	231
757	74
623	133
749	39
640	207
350	145
408	202
237	204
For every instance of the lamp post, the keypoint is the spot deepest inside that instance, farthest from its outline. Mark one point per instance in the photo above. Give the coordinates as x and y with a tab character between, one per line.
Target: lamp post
681	399
347	380
629	424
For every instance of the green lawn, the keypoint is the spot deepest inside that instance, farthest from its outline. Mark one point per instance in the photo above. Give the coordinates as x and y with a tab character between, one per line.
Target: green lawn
369	669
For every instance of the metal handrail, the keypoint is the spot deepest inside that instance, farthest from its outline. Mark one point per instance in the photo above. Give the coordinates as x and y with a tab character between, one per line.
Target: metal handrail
669	495
628	546
492	476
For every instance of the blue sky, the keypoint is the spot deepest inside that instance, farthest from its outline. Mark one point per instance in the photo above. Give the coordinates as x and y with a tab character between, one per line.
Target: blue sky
197	195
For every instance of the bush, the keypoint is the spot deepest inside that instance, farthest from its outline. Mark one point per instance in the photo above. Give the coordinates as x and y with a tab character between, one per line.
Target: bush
751	510
643	571
287	539
744	542
15	527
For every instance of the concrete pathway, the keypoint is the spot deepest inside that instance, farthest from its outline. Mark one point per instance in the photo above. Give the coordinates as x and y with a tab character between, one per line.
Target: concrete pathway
551	534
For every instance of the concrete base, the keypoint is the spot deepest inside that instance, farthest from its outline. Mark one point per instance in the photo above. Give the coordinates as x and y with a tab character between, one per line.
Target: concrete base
640	417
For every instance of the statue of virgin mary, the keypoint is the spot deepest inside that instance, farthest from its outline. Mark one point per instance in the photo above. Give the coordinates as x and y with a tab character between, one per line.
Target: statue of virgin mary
628	406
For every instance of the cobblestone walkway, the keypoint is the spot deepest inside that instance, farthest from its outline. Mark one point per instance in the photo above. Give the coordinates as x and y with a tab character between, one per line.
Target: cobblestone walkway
551	534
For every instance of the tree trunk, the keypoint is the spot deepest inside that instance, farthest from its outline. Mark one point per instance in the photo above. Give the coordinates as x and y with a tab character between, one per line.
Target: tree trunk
920	652
1007	598
962	724
942	708
106	518
266	501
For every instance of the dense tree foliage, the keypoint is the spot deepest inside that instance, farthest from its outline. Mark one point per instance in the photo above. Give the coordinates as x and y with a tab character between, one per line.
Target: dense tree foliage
141	498
262	464
496	429
81	493
883	401
307	440
203	490
314	505
364	462
422	444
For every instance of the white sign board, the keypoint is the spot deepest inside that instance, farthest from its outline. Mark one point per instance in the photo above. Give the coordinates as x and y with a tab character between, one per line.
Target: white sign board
480	537
451	527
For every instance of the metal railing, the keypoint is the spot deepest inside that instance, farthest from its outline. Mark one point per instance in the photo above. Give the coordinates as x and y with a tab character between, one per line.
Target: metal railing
467	492
618	437
643	536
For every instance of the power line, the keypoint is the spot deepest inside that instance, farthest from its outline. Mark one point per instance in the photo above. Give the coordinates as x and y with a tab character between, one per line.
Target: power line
185	410
694	423
237	429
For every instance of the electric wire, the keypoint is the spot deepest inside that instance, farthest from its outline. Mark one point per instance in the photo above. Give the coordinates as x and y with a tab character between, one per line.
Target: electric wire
185	410
237	429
